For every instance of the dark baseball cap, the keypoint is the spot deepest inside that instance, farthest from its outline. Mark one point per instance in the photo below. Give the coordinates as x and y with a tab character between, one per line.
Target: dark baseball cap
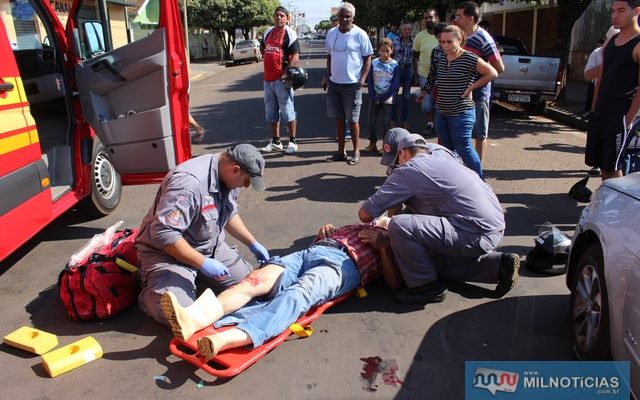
412	140
250	160
390	145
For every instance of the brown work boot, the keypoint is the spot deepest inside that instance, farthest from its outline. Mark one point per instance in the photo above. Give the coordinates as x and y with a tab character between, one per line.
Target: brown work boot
508	274
371	148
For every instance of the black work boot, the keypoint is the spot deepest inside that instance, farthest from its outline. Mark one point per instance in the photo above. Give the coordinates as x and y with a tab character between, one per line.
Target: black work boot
432	292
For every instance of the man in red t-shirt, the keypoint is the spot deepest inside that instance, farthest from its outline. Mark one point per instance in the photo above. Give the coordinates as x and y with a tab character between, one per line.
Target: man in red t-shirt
281	48
337	262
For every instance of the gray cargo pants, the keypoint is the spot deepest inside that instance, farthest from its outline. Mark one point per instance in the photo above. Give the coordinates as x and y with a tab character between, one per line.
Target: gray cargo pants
429	247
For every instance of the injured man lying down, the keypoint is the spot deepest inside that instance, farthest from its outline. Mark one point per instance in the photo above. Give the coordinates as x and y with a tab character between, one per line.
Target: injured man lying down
337	262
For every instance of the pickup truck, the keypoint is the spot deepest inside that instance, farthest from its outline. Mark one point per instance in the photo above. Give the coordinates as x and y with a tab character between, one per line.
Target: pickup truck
529	81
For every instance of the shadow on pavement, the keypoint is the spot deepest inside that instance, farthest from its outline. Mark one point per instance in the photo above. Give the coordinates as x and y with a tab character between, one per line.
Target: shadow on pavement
516	328
329	188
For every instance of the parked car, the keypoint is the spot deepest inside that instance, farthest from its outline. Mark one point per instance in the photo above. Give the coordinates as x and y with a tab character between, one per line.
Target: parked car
246	50
604	276
529	81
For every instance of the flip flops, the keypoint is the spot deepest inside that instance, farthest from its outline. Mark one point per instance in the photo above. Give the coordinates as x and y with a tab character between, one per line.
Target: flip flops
354	160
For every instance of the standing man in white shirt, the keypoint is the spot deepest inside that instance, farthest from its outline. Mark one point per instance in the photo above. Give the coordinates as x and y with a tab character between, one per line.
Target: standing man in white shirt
348	62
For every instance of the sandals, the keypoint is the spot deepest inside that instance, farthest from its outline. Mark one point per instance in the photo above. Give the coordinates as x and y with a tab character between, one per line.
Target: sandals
354	160
337	157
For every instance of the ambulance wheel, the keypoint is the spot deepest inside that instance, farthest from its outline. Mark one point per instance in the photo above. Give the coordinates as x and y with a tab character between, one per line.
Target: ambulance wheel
106	187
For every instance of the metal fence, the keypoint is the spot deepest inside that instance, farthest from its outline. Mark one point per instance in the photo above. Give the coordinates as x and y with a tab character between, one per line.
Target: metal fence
593	25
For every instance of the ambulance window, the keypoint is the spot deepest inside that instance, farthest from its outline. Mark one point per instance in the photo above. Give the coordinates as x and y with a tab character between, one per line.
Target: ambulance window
25	29
94	36
128	21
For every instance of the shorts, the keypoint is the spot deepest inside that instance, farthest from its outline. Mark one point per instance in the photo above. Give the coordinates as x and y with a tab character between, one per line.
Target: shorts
481	127
427	100
604	141
344	101
278	102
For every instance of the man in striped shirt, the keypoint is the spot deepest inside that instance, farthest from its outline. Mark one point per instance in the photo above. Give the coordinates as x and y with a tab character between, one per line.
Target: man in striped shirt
481	43
403	54
337	262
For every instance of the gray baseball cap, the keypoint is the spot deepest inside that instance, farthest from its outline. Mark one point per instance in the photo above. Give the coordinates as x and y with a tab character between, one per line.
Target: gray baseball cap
250	160
412	140
390	145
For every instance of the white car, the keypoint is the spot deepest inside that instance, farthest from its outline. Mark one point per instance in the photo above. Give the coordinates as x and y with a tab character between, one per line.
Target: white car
246	50
604	276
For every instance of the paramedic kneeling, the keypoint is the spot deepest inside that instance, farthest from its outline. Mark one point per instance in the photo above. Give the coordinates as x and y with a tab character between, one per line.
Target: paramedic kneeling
451	224
182	235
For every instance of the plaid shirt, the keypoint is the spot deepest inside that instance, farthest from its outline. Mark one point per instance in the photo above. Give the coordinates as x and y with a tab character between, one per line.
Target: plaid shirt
367	258
403	53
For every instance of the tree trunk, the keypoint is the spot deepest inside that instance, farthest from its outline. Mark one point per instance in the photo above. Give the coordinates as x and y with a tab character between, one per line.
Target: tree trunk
225	44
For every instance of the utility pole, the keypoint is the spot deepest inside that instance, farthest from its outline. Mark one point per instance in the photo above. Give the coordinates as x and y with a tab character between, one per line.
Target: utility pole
186	29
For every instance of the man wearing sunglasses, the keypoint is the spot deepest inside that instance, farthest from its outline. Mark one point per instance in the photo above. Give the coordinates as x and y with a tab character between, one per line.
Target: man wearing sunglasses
348	62
182	237
481	43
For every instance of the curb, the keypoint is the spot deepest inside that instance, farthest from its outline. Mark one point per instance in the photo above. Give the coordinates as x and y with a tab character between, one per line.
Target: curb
565	117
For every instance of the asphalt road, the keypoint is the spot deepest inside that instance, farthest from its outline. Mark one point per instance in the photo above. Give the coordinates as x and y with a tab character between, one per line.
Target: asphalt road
531	163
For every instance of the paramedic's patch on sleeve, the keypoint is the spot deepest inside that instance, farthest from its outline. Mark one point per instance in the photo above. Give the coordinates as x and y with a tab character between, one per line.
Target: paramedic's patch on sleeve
173	218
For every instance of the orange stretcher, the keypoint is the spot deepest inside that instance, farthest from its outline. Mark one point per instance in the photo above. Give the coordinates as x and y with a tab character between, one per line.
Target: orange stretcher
229	363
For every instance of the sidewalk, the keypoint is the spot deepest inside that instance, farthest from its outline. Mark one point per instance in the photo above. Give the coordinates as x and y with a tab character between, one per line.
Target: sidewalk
203	68
569	109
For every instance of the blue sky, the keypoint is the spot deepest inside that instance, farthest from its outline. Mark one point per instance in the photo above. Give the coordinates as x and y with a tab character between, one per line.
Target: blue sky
315	10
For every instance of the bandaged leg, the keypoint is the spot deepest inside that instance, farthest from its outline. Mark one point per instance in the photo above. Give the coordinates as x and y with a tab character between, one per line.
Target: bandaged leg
185	321
209	346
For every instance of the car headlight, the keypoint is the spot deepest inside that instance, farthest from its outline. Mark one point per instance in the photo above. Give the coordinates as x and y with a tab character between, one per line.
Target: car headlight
583	218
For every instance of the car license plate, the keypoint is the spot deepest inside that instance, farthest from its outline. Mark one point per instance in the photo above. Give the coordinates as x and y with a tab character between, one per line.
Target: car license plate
243	52
519	98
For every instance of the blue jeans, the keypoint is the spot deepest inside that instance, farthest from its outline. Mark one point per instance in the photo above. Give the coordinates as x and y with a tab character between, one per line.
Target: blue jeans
311	277
278	102
406	79
454	132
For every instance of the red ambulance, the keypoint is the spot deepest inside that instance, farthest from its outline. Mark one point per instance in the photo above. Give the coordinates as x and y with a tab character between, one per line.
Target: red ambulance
87	107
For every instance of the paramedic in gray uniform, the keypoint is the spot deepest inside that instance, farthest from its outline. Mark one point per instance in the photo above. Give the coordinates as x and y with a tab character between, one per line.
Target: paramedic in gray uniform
451	224
182	235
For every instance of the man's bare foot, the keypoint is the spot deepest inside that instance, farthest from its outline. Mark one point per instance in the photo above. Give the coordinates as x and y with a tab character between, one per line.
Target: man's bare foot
206	347
176	316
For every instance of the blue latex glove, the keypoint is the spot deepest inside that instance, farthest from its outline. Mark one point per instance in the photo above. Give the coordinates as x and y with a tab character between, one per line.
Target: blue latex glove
262	255
213	268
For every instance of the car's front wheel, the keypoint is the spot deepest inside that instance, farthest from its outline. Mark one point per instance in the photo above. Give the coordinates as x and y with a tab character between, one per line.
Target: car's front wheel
590	307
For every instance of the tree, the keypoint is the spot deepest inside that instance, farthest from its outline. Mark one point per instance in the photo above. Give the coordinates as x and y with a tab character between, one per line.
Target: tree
323	26
224	16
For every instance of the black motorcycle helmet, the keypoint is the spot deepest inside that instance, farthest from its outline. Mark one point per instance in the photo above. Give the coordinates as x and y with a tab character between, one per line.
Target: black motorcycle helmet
551	252
295	78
